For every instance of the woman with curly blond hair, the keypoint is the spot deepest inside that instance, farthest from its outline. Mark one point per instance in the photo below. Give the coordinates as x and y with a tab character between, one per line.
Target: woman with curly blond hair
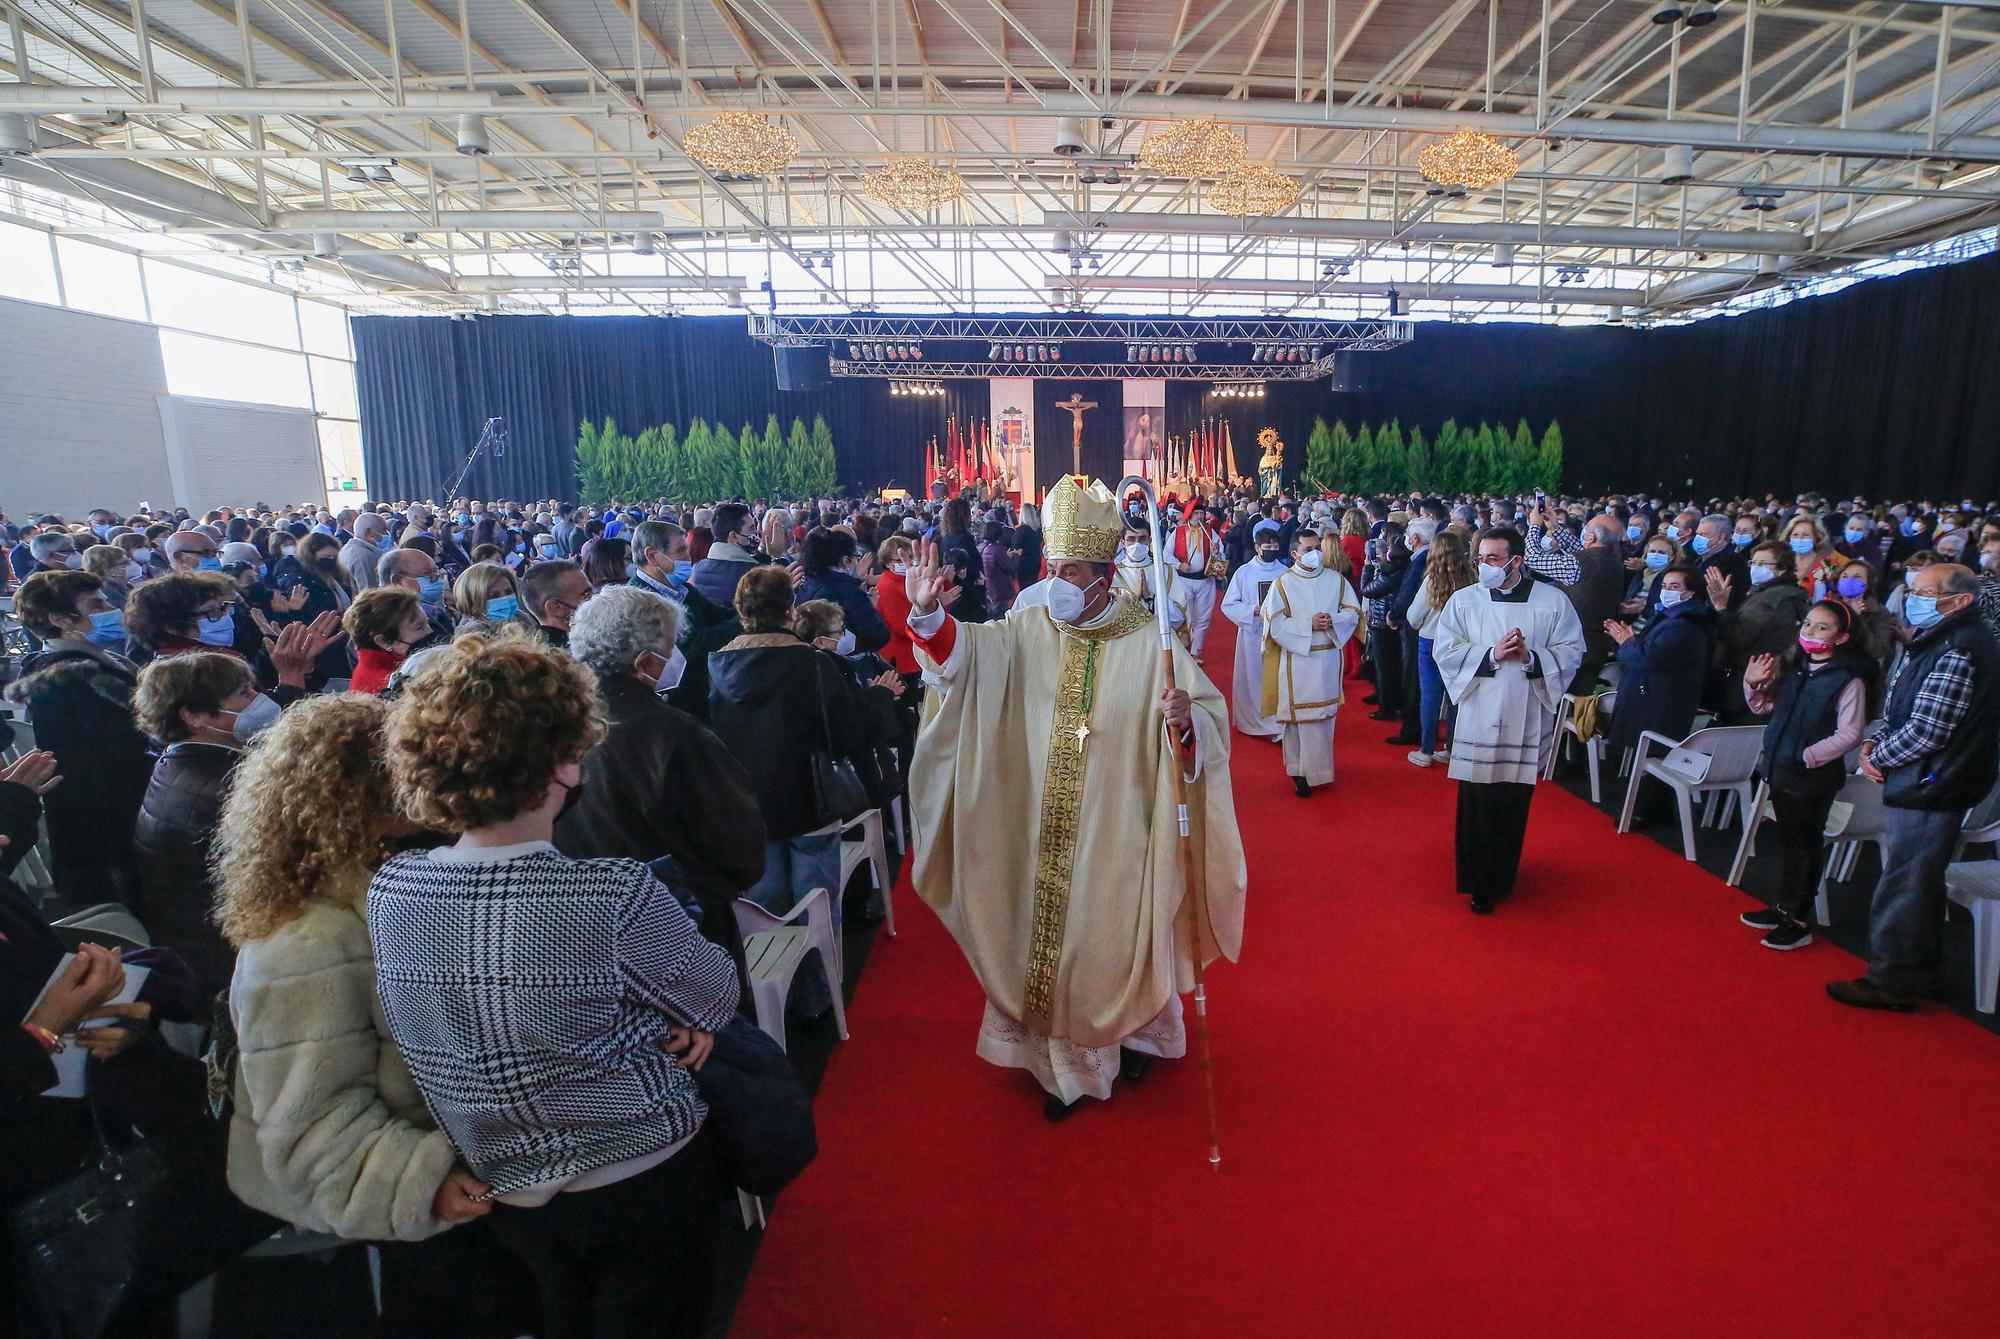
329	1131
551	1009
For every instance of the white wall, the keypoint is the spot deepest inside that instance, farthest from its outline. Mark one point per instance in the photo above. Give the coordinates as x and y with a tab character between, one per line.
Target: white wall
86	421
79	413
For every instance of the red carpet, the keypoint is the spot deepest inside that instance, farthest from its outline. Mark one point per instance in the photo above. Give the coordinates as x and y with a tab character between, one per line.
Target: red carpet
1603	1111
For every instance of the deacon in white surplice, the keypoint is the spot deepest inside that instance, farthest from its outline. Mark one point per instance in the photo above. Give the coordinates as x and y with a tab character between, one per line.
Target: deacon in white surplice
1507	649
1240	605
1308	615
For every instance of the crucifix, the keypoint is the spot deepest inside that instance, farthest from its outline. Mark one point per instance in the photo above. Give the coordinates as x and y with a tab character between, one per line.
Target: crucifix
1076	404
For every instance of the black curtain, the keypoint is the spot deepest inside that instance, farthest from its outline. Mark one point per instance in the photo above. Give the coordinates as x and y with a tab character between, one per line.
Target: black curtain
1103	431
1890	387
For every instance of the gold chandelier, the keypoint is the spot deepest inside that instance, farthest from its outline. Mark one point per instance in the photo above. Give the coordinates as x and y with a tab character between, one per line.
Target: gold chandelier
1253	188
743	143
1201	148
910	183
1468	158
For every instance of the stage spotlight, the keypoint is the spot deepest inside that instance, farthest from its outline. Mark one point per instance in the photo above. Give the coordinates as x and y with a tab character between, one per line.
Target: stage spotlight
1668	11
1055	353
1701	15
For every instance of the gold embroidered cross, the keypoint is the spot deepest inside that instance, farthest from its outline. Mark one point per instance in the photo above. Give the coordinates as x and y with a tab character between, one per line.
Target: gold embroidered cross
1082	733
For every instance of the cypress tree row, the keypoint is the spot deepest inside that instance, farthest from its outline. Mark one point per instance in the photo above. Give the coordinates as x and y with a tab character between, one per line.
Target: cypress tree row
706	462
1457	460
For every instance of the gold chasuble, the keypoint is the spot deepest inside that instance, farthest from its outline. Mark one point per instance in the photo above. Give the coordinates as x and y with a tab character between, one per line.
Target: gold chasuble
1045	826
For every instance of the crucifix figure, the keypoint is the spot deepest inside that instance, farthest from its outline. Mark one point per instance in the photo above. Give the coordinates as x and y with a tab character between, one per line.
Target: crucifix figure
1076	404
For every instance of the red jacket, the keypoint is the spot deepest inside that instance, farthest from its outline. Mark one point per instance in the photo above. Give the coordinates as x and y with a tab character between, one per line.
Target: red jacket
894	606
372	669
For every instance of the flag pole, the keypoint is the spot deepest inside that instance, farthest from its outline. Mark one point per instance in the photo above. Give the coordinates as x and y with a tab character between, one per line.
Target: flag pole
1194	890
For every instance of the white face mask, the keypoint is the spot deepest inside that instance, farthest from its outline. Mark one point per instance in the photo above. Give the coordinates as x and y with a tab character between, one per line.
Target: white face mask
261	712
1491	577
1137	553
899	569
142	555
1549	542
1309	561
669	677
1670	598
845	646
1067	600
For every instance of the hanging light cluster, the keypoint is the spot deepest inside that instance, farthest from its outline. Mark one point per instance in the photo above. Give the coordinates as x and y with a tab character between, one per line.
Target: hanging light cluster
1238	390
913	185
885	353
742	143
1201	148
1024	353
1253	189
1159	353
916	388
1284	353
1468	158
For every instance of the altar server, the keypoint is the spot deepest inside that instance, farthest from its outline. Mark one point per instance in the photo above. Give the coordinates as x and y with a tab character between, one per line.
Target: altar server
1309	614
1240	606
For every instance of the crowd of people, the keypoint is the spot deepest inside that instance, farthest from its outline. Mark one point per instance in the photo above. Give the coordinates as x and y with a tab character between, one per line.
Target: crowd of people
448	805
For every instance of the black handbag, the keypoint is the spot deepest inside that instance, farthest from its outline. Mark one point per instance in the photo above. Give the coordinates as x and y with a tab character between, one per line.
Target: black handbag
838	792
760	1113
78	1246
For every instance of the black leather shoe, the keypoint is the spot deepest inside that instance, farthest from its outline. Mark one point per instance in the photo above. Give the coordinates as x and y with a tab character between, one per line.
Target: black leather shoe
1865	994
1132	1065
1481	907
1300	788
1401	738
1385	714
1371	701
1055	1109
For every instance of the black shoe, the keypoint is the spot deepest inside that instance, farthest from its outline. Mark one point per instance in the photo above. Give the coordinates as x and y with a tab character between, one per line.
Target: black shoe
1300	788
1402	738
1371	700
1788	936
1865	994
1132	1065
1385	714
1481	907
1055	1109
1764	918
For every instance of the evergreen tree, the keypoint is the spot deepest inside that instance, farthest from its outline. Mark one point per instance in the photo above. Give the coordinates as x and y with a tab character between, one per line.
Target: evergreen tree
1395	467
797	447
589	463
695	449
823	477
1319	457
1367	463
1519	453
611	451
1549	460
673	471
1448	459
1344	473
1483	463
645	466
1418	459
766	474
723	470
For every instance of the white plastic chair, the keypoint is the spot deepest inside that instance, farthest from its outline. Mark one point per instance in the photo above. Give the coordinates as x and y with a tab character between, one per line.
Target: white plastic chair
1717	761
1566	731
861	844
1982	823
1975	885
773	948
1857	818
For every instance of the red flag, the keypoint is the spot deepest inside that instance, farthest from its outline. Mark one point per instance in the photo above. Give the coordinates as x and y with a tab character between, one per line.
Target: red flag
1207	470
989	463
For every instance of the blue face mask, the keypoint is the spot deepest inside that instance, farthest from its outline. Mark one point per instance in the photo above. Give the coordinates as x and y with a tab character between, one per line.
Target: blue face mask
107	628
1671	531
502	607
1656	561
1742	541
430	591
217	631
1700	544
1913	528
102	530
1802	544
1634	532
208	565
1921	611
683	570
1855	536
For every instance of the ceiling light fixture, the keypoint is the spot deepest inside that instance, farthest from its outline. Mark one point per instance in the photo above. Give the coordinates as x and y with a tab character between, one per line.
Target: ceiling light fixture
1253	189
1468	158
1199	148
912	184
743	143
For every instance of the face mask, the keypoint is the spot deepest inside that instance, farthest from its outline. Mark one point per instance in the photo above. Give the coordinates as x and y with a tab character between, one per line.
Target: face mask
1492	577
1635	533
1802	544
631	570
217	631
547	551
1670	598
142	555
845	646
1067	600
1671	531
430	592
669	677
1813	646
107	628
1761	573
1700	544
1657	561
502	607
1850	587
134	574
900	569
1921	611
684	568
254	718
208	565
1269	555
1742	541
1990	561
1913	528
1137	553
1855	536
1549	542
1310	560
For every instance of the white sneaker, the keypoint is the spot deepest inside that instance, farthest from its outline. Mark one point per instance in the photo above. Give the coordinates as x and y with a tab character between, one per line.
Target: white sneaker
1420	759
1443	755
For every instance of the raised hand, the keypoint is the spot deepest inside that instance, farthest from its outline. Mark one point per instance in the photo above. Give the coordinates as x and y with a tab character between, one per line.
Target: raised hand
890	680
1761	671
286	604
1618	632
1718	589
36	771
928	578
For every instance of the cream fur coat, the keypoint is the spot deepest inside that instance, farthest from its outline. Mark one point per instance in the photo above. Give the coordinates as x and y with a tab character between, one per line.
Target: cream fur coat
330	1132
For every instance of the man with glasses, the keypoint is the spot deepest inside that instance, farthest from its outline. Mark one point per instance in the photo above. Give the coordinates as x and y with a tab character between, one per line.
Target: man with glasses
192	551
1507	648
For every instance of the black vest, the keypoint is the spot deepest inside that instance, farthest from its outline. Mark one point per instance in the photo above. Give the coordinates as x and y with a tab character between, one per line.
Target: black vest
1958	775
1806	711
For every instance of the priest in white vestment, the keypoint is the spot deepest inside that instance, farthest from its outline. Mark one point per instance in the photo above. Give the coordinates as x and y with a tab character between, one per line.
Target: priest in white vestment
1241	606
1507	649
1308	616
1191	553
1045	824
